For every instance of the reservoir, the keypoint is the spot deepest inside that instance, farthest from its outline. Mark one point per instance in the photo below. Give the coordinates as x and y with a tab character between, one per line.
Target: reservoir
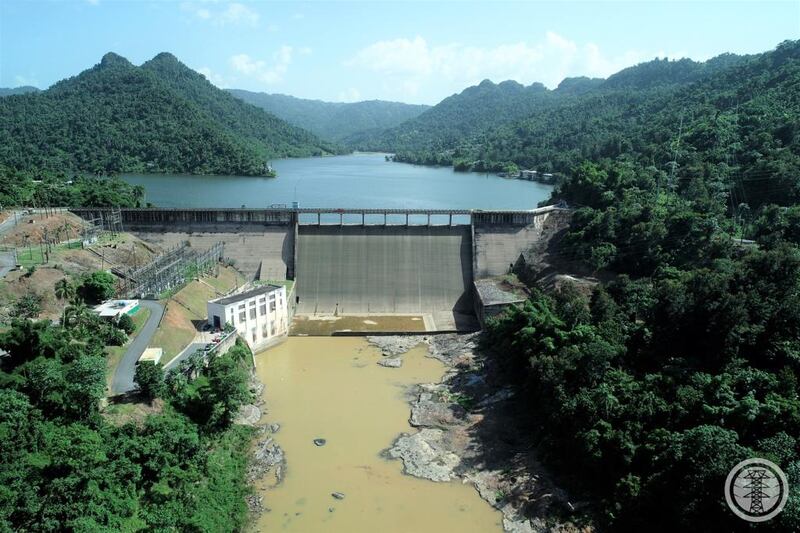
357	180
332	388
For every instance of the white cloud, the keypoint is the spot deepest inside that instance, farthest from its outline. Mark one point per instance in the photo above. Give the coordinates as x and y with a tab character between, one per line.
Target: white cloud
413	65
20	80
213	77
233	13
239	13
267	73
350	95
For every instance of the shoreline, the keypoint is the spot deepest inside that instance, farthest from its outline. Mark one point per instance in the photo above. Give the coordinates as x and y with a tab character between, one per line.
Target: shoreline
466	430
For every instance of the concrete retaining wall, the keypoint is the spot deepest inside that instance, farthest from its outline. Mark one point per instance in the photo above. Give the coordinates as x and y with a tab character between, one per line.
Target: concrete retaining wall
266	252
500	238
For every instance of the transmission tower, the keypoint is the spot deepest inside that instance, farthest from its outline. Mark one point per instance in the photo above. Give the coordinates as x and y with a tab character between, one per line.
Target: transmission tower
756	486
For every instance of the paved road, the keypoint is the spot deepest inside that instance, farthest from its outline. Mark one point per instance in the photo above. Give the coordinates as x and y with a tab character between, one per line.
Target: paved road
189	350
123	376
7	259
10	222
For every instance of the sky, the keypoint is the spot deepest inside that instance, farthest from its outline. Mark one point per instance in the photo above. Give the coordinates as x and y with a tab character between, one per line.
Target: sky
414	52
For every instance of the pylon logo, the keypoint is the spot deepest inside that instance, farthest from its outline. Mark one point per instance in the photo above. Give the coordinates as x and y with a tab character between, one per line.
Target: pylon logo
756	490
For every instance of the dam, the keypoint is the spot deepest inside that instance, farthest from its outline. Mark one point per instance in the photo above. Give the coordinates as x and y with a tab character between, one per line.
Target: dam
356	261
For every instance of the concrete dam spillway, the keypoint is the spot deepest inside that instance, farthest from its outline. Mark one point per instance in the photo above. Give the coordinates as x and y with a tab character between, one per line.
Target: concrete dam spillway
384	269
355	261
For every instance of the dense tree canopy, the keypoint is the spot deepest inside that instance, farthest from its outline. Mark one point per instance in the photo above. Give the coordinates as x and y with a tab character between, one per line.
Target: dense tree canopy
684	364
160	117
64	467
56	189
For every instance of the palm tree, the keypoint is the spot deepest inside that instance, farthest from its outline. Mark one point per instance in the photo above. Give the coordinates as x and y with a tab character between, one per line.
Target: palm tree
64	289
76	314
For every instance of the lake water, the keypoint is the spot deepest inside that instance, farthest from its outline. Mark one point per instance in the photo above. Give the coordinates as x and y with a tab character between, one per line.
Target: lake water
358	180
332	388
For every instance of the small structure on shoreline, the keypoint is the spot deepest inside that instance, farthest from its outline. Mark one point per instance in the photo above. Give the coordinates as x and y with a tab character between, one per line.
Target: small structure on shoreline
494	295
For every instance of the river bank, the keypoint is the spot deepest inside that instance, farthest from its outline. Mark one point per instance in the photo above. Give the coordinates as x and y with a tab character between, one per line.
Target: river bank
331	407
469	428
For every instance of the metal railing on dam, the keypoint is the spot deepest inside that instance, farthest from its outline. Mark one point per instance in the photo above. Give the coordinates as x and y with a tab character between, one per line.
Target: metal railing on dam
156	216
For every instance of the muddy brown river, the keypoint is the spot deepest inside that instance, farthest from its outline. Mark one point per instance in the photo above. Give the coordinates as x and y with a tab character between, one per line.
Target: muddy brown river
332	388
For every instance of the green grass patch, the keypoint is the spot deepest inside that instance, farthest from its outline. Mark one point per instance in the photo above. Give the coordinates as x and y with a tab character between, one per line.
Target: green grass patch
288	283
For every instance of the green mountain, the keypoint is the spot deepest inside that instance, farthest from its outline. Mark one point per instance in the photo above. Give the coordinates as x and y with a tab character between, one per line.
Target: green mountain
736	124
334	121
11	91
468	129
159	117
459	117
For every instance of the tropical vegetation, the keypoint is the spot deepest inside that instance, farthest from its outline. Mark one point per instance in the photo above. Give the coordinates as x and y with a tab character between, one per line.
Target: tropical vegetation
159	117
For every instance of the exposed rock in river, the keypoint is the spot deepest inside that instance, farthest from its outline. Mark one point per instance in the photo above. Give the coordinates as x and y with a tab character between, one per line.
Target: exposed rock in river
391	362
470	429
266	456
431	408
248	415
395	345
425	455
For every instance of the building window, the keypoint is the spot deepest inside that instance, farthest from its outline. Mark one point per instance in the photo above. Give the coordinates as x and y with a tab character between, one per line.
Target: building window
274	329
242	316
253	313
272	305
253	331
262	310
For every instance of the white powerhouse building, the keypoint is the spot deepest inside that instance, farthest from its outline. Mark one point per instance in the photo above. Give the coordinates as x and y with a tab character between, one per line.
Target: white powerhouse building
257	314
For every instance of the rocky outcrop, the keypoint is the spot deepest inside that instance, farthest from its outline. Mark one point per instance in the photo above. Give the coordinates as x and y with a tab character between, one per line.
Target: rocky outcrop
425	454
267	458
469	429
394	345
432	408
248	415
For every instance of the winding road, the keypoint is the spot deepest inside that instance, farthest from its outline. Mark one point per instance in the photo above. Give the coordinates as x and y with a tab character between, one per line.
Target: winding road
123	376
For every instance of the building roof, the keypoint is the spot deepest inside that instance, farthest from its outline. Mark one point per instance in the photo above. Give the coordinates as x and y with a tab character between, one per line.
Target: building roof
115	307
233	298
500	290
152	354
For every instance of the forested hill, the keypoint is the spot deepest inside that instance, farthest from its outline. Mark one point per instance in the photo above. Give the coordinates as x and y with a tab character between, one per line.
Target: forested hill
334	121
735	126
493	126
160	117
10	91
457	118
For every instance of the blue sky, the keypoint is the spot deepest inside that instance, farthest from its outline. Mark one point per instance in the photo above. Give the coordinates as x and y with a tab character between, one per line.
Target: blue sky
418	52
